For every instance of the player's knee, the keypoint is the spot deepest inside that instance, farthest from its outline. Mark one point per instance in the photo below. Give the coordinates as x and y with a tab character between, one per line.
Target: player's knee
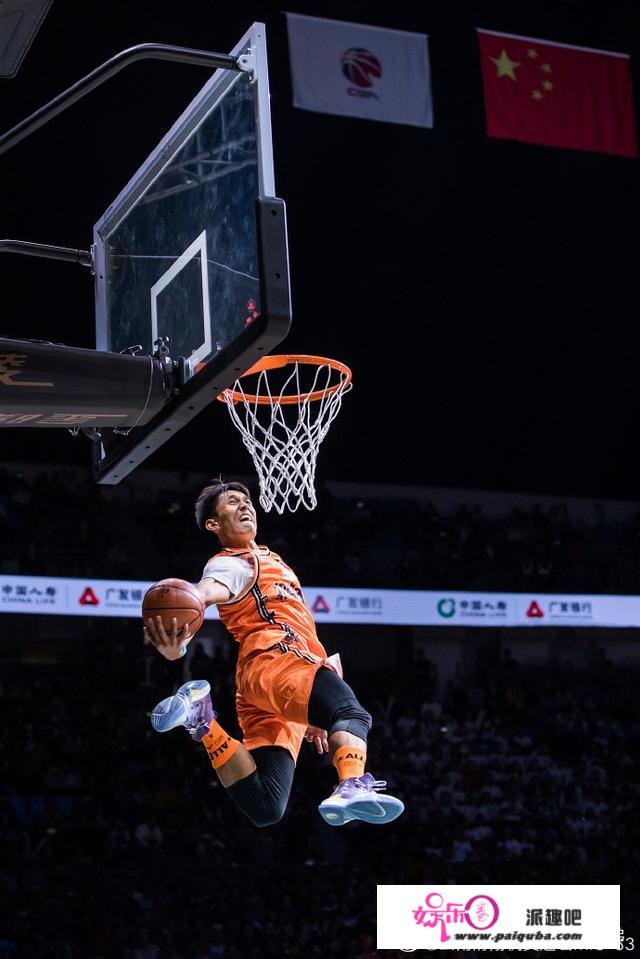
360	725
268	820
352	718
268	815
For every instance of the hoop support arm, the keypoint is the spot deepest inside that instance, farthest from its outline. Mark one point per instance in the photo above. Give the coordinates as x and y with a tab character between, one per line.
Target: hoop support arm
47	251
142	51
50	385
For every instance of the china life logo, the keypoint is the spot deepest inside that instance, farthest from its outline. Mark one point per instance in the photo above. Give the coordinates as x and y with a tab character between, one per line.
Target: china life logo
446	608
361	68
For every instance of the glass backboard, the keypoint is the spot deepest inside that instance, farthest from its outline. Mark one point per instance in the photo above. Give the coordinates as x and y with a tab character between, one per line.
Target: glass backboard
193	253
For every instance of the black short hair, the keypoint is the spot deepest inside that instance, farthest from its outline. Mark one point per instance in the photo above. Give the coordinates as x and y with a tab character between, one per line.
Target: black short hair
207	501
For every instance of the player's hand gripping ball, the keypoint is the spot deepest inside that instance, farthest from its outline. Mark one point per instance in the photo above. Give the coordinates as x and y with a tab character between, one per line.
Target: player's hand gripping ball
174	598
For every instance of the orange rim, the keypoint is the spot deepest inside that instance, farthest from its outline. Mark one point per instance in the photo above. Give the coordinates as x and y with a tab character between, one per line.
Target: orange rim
276	363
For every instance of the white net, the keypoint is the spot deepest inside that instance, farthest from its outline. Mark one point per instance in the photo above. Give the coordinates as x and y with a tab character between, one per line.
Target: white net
283	415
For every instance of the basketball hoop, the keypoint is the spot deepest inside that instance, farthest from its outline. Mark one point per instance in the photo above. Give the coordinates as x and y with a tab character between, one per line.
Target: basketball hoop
283	407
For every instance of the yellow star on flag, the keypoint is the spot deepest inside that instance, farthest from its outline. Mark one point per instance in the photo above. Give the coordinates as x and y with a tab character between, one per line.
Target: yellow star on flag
546	68
536	95
504	66
532	54
547	84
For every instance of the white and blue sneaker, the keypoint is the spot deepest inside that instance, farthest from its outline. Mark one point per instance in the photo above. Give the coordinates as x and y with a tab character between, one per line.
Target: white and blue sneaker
363	798
190	707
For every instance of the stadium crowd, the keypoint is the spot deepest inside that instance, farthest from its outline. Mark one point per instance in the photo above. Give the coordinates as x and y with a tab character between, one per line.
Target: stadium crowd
86	530
118	843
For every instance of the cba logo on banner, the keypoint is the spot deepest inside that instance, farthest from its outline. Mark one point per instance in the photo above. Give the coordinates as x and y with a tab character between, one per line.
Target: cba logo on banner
360	66
446	608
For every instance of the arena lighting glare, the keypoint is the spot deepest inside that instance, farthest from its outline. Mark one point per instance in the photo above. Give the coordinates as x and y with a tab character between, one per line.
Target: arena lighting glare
20	20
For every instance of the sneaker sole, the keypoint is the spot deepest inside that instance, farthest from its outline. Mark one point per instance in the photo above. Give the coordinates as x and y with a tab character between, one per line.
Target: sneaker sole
381	810
335	815
174	713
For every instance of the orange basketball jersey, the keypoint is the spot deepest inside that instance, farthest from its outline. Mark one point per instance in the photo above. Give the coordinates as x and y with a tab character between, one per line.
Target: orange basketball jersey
272	610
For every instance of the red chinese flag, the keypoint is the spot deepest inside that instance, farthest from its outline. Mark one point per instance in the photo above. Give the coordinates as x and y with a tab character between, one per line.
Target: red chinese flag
548	93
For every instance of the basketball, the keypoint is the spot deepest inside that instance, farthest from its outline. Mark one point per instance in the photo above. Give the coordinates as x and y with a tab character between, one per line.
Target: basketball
174	598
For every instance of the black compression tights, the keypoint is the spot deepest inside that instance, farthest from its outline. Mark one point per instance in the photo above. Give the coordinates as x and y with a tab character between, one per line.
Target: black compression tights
263	795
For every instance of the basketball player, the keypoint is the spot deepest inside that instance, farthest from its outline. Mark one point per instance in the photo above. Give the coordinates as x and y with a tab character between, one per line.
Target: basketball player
285	691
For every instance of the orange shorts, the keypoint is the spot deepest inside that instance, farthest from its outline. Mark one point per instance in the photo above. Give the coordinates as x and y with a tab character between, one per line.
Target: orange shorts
272	697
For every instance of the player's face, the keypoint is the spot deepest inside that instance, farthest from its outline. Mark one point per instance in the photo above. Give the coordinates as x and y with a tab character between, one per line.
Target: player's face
235	521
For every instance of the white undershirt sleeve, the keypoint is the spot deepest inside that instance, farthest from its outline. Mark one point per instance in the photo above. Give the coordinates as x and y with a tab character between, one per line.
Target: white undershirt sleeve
234	572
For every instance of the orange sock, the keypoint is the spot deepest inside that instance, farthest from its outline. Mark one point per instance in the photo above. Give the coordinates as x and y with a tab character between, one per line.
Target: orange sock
220	745
349	762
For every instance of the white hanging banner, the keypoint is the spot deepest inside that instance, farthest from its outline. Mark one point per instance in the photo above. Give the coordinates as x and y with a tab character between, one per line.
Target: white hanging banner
359	70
